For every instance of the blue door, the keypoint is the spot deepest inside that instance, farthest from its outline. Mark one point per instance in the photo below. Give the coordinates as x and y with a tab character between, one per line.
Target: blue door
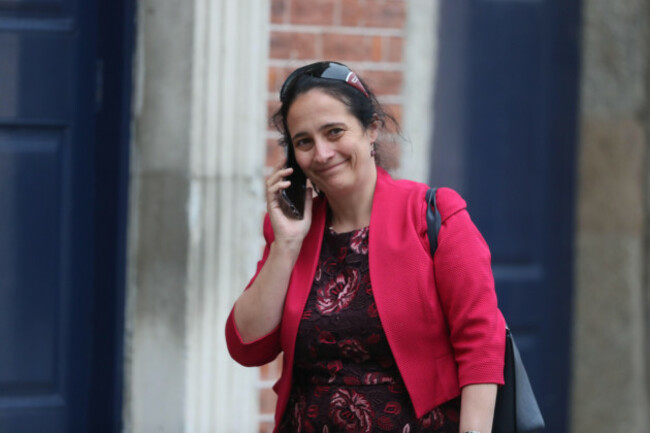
53	214
505	137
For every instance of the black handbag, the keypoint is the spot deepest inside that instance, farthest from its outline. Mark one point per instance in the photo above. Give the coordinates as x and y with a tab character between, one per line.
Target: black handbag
516	408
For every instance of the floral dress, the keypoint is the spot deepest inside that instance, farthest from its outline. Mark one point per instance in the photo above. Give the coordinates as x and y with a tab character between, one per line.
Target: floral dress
345	378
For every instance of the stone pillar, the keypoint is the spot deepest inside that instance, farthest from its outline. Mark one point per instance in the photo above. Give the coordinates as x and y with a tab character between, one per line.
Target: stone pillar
226	204
155	339
610	392
196	208
420	67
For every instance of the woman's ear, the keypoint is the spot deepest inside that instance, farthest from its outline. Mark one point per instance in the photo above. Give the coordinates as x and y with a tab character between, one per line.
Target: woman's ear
373	129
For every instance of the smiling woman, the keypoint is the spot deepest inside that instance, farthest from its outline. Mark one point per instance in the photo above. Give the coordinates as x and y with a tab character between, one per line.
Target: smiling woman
344	85
334	150
347	291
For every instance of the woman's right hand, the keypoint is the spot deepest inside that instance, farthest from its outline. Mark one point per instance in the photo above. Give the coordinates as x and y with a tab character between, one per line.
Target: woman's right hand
259	308
288	231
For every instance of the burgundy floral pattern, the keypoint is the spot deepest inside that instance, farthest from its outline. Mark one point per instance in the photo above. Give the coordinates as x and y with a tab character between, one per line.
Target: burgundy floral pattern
351	411
359	241
337	295
352	349
345	378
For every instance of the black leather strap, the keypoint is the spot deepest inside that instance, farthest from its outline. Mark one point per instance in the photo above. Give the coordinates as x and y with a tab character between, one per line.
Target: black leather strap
433	220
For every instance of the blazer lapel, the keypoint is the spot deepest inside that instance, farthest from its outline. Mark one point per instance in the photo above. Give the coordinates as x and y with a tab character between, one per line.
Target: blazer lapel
399	266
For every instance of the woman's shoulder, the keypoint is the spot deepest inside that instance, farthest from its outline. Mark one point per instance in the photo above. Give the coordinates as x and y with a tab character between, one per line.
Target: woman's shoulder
448	200
399	189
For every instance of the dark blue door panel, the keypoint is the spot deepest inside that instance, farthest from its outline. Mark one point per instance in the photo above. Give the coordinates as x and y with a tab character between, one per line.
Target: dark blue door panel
46	209
505	137
37	77
30	179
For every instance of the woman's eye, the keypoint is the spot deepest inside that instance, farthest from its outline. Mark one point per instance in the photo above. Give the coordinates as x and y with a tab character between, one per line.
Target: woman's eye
302	142
336	131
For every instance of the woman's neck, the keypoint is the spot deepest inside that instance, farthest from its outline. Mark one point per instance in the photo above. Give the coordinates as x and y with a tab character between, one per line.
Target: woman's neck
352	211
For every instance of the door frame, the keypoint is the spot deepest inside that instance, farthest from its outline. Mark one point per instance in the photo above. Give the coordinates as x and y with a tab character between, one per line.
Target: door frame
116	23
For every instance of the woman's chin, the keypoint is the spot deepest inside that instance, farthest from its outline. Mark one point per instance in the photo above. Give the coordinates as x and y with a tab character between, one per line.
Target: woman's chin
336	189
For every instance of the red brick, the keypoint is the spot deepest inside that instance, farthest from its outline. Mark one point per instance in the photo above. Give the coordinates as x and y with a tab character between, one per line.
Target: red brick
352	13
274	153
272	370
386	13
271	107
384	82
272	79
347	47
267	427
276	79
377	49
312	12
394	49
395	110
264	369
268	399
279	11
290	45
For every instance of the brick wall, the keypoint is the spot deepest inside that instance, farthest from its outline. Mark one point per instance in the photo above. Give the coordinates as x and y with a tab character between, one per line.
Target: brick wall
368	36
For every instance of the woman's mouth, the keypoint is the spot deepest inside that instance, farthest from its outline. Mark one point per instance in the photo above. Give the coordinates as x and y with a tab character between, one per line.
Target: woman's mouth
329	167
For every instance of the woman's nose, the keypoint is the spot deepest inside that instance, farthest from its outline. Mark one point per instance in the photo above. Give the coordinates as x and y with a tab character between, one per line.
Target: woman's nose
323	150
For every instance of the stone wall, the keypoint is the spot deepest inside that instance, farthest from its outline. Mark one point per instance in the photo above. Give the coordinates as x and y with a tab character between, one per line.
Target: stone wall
610	358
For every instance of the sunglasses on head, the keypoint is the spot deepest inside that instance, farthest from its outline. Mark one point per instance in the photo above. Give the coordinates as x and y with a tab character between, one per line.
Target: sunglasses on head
329	70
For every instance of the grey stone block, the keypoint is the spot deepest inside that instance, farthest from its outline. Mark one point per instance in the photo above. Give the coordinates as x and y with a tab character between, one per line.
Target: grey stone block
609	363
611	176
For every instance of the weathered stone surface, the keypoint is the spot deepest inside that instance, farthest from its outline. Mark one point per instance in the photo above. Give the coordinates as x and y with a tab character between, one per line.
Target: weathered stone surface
609	361
612	171
162	249
615	61
612	302
162	105
158	304
155	341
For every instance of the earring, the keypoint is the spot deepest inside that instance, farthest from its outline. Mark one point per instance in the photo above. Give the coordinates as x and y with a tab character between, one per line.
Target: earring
372	150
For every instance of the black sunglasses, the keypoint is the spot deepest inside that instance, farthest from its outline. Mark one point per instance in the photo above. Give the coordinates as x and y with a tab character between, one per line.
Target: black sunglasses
329	70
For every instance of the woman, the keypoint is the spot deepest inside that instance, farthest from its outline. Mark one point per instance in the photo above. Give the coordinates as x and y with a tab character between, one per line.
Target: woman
371	339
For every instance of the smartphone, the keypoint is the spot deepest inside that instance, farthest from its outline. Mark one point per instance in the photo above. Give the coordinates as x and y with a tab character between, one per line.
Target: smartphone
293	197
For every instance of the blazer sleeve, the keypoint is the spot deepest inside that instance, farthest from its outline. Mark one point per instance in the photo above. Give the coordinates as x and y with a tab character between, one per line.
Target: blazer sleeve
266	348
465	286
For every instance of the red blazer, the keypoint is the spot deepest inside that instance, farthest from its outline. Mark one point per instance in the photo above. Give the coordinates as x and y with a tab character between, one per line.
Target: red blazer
445	331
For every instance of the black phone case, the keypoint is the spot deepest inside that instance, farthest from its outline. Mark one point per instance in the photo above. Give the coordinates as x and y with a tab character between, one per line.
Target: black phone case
294	196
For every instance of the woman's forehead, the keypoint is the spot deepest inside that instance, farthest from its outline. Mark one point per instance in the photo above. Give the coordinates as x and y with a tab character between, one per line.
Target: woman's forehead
317	104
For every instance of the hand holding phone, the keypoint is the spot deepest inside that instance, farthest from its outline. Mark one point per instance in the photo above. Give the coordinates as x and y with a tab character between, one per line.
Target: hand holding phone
293	197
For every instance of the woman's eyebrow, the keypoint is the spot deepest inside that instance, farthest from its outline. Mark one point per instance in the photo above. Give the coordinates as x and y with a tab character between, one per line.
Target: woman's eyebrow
325	126
298	135
329	125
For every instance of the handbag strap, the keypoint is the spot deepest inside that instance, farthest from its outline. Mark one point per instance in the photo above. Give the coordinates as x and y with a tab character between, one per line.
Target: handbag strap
433	220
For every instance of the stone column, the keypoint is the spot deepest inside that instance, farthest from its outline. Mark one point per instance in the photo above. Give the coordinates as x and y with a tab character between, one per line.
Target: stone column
610	392
226	204
196	208
419	82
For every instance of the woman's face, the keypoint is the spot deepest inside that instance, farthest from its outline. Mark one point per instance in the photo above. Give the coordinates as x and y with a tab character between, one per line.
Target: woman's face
331	146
